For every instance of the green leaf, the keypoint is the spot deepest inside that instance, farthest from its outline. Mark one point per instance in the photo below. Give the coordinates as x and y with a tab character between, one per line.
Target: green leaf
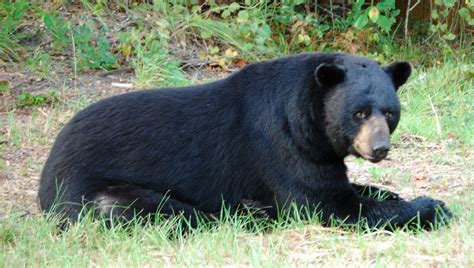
386	5
265	31
243	16
233	7
3	86
375	38
48	22
394	13
449	3
324	27
374	14
385	23
357	6
466	15
206	34
361	21
225	14
449	36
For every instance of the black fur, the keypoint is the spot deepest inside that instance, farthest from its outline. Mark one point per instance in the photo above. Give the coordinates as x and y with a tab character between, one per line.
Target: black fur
273	132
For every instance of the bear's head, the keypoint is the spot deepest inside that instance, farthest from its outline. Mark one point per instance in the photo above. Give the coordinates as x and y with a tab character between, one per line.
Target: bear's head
361	106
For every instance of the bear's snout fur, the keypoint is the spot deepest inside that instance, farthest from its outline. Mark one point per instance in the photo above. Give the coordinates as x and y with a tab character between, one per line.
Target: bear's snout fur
372	141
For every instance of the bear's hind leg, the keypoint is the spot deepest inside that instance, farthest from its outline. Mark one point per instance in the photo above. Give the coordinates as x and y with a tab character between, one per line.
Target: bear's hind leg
127	202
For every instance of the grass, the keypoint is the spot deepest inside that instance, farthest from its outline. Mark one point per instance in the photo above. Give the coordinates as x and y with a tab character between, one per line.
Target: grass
31	241
443	98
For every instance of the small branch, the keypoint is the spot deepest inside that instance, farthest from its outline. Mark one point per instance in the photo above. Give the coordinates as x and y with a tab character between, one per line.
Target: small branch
316	10
413	7
438	124
122	85
332	13
74	58
407	16
116	72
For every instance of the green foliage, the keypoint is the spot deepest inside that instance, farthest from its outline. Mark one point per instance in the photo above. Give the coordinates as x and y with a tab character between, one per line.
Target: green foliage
92	49
152	63
269	30
305	31
41	64
91	46
58	27
153	66
466	14
447	15
382	15
11	13
4	87
27	99
220	34
251	24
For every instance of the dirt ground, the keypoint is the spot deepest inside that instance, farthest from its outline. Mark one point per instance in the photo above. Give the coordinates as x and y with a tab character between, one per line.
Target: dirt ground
413	168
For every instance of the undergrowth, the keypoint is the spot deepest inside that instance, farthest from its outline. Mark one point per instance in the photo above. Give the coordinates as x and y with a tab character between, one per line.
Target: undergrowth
163	36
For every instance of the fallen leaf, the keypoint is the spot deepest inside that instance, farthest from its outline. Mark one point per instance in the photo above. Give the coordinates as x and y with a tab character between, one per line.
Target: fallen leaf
240	63
420	177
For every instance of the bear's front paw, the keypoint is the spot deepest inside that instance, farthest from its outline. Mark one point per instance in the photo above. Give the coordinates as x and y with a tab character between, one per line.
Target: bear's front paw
432	213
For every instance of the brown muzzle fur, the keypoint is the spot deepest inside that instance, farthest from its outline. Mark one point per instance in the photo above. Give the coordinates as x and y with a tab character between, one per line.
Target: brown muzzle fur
372	141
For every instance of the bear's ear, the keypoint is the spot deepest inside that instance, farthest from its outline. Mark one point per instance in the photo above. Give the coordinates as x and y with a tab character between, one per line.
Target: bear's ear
399	72
330	74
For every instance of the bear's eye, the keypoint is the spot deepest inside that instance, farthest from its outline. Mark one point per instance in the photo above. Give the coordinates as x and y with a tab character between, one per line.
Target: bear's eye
388	114
360	115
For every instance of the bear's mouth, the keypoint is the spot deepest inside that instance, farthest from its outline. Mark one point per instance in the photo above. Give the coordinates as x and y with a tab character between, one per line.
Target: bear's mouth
374	159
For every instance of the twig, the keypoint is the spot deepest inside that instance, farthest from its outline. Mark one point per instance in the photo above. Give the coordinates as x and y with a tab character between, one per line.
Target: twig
431	12
116	71
332	13
121	85
407	16
425	257
74	58
316	10
329	11
195	63
438	125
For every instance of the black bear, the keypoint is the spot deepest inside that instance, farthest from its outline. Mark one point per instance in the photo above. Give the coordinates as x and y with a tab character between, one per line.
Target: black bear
275	132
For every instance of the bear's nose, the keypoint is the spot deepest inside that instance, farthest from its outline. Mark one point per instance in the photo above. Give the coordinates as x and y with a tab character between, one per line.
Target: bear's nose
380	152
